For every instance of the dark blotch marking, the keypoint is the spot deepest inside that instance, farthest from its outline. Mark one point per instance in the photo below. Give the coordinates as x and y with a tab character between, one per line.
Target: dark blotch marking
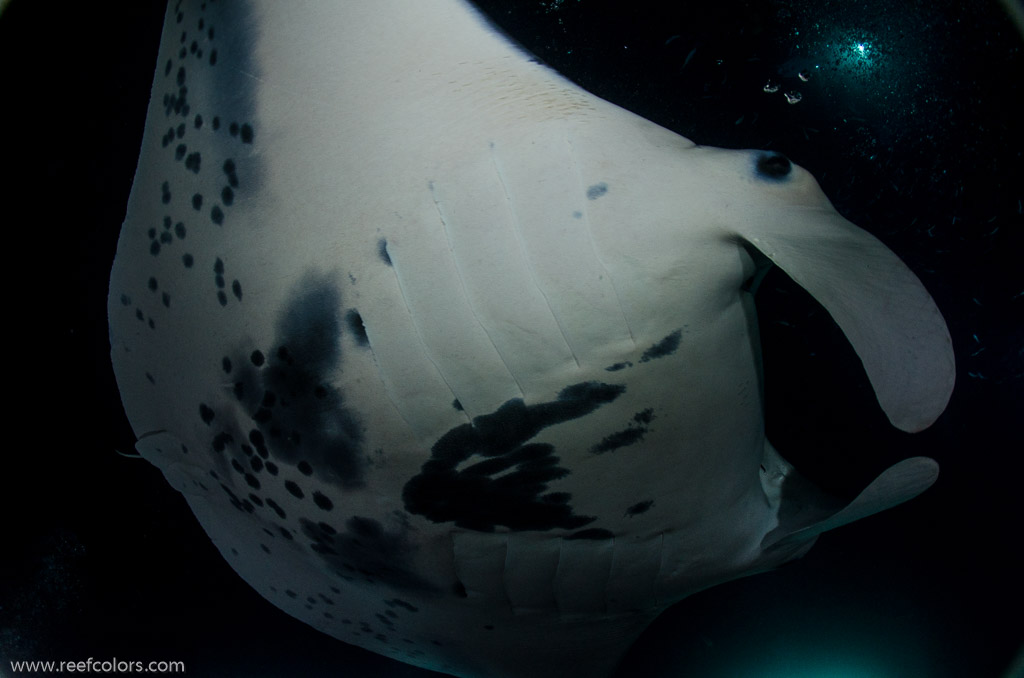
227	196
205	413
472	499
639	507
246	133
322	501
256	358
774	166
316	426
619	439
382	251
618	366
304	468
457	405
197	202
217	215
665	347
225	364
596	191
327	529
633	434
277	509
231	173
236	289
355	325
365	549
256	438
644	416
192	162
294	488
188	260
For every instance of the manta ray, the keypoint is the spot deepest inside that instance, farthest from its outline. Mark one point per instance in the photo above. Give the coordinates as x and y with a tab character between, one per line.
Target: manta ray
458	362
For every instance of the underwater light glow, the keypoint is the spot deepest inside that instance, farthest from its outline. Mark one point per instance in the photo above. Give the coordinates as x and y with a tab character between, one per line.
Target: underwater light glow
850	647
810	667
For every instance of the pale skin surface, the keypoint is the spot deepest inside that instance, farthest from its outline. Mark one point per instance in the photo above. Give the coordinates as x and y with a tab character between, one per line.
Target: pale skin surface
516	253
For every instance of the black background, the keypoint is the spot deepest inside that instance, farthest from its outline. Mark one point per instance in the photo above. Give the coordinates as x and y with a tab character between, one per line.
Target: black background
915	139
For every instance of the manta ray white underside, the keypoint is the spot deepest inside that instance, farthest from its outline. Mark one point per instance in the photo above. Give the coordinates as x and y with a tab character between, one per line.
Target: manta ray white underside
458	362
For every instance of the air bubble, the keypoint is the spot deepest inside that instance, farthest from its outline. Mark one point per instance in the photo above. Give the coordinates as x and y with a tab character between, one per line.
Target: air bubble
793	97
771	87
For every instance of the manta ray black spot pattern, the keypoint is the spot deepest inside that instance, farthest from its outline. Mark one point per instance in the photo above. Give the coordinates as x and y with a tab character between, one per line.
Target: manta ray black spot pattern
634	433
366	551
356	327
471	498
177	78
665	347
300	419
774	166
382	251
596	191
639	507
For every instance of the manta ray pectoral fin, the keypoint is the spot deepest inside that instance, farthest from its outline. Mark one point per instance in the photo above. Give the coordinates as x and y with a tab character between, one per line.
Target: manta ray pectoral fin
166	451
881	306
800	513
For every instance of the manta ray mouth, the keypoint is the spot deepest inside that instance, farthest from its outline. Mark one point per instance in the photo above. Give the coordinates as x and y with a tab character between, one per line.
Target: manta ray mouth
820	410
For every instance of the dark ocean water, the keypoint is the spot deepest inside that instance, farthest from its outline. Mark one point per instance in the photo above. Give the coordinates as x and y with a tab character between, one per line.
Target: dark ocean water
909	120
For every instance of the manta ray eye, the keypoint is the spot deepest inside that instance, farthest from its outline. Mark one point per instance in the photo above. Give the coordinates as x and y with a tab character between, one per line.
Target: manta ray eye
773	165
